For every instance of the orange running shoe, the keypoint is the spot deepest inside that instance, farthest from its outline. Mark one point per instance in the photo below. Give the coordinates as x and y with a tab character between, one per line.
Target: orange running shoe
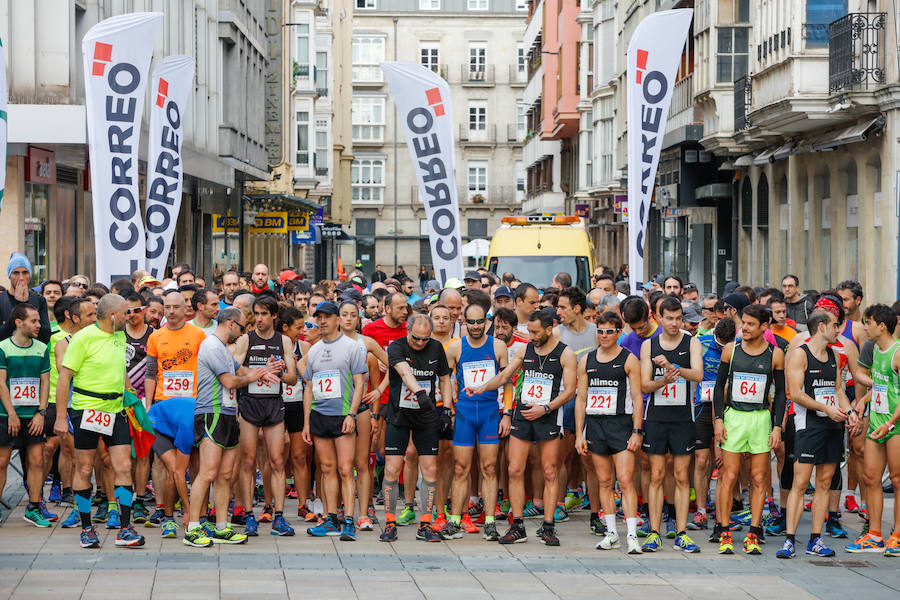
467	524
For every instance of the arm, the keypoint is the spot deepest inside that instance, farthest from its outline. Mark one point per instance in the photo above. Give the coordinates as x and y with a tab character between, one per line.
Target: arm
884	429
239	350
150	376
570	376
307	409
405	372
244	377
856	371
722	381
445	386
648	384
8	405
44	334
581	408
633	370
289	375
779	404
502	357
695	372
62	399
844	402
37	421
503	376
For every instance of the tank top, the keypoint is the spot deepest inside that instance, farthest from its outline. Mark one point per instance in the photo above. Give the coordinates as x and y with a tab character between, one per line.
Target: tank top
609	391
541	377
819	384
294	393
475	367
672	403
885	386
749	379
258	353
848	332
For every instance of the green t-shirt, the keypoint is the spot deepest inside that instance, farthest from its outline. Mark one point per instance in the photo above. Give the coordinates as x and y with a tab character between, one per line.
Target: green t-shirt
24	367
885	388
98	360
54	372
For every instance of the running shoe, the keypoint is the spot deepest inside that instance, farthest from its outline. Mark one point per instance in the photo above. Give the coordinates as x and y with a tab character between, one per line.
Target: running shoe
547	536
532	511
304	514
699	522
251	527
514	535
325	528
129	538
598	527
475	508
467	524
426	534
490	532
863	513
479	519
865	528
572	501
292	493
280	527
266	516
560	515
751	544
743	517
610	541
585	502
209	528
498	512
227	536
787	550
55	493
777	527
370	513
671	529
196	538
68	498
170	528
452	531
156	519
726	543
866	543
389	534
817	548
808	506
652	543
139	513
348	530
34	516
406	516
892	548
684	543
365	524
833	529
644	530
113	521
73	520
438	523
505	506
774	511
634	546
101	514
89	538
850	504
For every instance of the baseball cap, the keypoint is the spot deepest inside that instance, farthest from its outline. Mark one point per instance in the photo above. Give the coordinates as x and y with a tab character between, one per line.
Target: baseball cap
738	302
473	275
454	283
287	276
691	314
351	294
730	287
503	292
690	287
326	307
149	280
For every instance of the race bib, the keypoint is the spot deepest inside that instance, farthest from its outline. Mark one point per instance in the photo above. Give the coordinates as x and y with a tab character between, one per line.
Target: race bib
178	383
292	393
259	387
25	391
325	385
602	400
408	398
749	388
826	396
880	399
706	390
98	421
229	398
672	394
536	391
477	373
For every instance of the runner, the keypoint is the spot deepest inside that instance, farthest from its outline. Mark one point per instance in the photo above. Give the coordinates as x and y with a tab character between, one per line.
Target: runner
476	358
851	292
335	380
443	322
206	307
219	376
743	424
608	422
821	407
669	363
95	363
418	366
173	423
24	391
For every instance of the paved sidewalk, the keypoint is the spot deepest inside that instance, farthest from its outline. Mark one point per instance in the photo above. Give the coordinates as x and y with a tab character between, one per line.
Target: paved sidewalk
48	563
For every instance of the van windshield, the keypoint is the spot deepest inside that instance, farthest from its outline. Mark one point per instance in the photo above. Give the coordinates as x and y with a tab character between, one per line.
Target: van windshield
539	270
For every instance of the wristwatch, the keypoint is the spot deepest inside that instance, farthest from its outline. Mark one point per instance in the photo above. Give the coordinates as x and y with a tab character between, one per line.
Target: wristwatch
546	409
42	412
507	413
891	428
637	431
352	416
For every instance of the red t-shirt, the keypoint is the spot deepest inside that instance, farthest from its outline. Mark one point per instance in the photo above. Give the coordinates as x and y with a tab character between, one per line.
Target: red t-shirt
383	335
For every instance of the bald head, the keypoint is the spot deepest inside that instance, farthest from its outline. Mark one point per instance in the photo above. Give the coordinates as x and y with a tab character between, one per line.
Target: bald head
111	309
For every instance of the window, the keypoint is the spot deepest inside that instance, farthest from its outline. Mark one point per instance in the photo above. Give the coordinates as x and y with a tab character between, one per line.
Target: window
478	4
302	138
521	62
477	62
522	5
367	179
302	56
365	4
731	60
521	120
430	56
520	181
477	228
736	11
477	178
819	13
607	138
477	116
368	54
368	118
429	4
365	244
322	73
321	158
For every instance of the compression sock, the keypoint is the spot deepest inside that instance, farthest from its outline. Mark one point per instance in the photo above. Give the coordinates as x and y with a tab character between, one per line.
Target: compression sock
124	494
83	505
455	519
488	519
390	499
426	497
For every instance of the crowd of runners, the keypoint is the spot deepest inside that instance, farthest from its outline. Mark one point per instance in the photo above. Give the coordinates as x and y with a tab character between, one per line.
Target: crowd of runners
463	408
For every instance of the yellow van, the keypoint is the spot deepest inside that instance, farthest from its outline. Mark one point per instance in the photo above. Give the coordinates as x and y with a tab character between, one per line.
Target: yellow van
536	248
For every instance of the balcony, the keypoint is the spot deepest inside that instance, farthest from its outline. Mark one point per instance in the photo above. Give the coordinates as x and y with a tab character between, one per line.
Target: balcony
495	197
681	111
855	55
536	149
513	135
743	96
517	78
321	82
478	137
367	75
477	75
534	88
532	36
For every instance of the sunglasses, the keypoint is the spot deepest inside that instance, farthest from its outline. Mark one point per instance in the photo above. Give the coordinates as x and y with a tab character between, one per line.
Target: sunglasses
310	325
79	284
475	321
135	310
607	331
419	339
243	328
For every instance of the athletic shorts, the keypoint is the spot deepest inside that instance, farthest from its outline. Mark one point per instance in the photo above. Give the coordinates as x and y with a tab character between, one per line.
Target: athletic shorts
444	434
261	412
223	430
663	437
50	420
425	439
703	427
89	440
476	422
23	438
544	429
747	431
568	413
293	417
326	426
163	444
819	446
608	435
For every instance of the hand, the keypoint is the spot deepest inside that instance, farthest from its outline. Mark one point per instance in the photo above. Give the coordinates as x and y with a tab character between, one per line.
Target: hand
349	425
275	363
13	424
853	419
719	431
775	438
581	444
376	426
672	375
661	361
634	442
37	424
505	425
534	412
21	292
61	426
370	397
271	378
305	435
880	432
835	414
476	391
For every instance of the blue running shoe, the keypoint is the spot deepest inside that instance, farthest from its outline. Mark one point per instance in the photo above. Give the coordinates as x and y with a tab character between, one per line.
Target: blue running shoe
671	529
209	528
777	527
89	538
743	517
52	517
817	548
531	511
866	543
773	510
787	550
585	502
101	514
73	520
833	528
644	530
735	525
652	543
55	493
686	544
325	528
560	515
156	519
251	527
389	534
348	531
139	513
113	521
169	529
129	538
280	527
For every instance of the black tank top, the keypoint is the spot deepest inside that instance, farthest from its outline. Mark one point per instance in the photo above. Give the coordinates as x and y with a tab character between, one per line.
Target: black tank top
749	379
819	384
609	391
541	377
673	403
258	353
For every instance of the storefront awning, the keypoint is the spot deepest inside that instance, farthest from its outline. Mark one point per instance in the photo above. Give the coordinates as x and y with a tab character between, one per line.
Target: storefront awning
284	202
762	158
855	133
744	161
